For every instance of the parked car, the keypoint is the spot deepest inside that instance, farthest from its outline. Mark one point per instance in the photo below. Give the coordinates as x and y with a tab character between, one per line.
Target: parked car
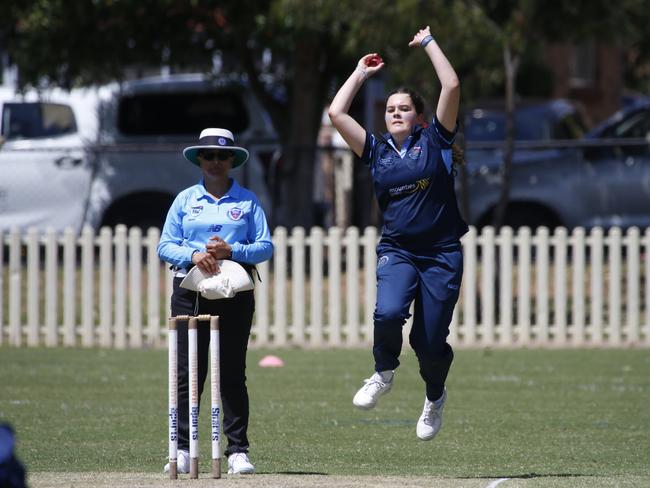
601	180
110	155
484	131
540	121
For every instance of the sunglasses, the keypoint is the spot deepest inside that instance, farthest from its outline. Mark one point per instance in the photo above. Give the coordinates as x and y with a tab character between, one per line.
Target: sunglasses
218	155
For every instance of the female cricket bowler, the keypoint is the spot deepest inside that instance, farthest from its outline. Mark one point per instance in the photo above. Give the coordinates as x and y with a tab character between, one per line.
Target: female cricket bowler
213	220
419	253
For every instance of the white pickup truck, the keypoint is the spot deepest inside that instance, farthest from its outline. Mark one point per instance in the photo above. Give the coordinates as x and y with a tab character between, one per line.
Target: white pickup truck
112	154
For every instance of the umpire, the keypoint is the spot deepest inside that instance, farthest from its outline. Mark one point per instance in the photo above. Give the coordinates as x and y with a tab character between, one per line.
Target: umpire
213	220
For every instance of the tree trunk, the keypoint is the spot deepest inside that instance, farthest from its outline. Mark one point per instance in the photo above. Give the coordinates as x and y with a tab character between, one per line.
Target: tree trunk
295	203
511	64
297	124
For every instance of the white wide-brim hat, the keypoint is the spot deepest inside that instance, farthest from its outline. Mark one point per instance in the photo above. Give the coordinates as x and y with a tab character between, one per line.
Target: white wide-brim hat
231	279
216	139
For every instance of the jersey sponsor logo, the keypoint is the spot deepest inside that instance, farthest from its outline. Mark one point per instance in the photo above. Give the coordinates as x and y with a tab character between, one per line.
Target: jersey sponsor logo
382	261
409	188
196	211
415	152
215	228
235	213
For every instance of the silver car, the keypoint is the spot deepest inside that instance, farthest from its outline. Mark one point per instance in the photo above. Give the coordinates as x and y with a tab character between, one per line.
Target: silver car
602	179
112	154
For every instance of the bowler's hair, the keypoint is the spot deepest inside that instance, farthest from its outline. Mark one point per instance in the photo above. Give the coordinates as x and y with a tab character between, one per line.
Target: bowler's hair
416	98
457	155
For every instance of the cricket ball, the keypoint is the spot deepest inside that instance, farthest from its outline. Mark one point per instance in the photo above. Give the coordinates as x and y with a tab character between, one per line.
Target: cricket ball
374	61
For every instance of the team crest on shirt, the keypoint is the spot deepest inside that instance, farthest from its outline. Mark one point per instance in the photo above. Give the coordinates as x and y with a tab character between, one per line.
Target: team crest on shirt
235	213
382	260
415	152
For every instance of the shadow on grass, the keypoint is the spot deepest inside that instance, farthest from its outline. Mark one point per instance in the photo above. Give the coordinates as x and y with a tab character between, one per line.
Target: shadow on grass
530	476
299	473
366	421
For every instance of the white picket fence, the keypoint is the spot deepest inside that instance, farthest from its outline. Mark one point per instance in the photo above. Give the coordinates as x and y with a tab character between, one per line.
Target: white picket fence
541	290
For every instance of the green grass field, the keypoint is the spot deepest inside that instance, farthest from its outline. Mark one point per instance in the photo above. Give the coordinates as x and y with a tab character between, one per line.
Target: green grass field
537	417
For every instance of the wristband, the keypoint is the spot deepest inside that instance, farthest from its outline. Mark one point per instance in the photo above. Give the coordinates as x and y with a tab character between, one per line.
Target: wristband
363	71
426	40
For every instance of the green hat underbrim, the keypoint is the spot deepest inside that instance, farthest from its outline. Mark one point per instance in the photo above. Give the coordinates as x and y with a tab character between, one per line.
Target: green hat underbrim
241	155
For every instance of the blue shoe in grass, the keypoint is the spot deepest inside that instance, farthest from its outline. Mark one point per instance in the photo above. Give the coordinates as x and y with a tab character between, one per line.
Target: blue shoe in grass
375	386
182	462
431	419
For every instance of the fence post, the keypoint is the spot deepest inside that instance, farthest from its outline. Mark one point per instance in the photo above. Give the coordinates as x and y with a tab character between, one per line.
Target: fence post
69	288
578	243
541	292
560	296
280	287
523	336
596	288
135	287
51	288
15	284
262	295
153	287
87	287
613	333
632	305
298	286
316	240
334	286
120	286
33	287
504	331
105	289
352	285
467	330
488	280
369	282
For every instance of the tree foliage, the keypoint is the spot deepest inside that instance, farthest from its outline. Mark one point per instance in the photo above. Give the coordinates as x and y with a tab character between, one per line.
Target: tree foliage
295	53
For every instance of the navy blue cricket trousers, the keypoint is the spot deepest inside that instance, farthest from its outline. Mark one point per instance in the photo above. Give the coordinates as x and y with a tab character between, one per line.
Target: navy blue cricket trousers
235	321
433	281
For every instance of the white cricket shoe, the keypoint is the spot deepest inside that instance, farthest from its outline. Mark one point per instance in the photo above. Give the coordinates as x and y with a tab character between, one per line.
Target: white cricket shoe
238	463
182	462
431	419
375	386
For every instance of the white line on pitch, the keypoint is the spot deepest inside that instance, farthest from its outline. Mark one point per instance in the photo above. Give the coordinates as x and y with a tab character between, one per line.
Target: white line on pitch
496	482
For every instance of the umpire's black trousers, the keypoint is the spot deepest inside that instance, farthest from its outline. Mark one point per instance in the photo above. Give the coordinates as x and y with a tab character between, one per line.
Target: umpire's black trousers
235	320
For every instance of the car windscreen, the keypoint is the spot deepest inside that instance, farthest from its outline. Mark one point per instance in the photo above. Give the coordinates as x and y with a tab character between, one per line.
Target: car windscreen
485	126
32	120
636	125
492	127
181	113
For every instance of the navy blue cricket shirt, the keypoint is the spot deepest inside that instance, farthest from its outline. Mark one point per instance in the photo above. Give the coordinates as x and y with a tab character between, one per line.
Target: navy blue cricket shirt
415	188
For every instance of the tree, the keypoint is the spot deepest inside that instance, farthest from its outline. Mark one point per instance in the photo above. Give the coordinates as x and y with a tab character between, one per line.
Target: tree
518	25
312	44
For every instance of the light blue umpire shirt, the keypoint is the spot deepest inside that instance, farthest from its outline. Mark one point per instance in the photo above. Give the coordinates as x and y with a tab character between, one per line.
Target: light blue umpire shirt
195	216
